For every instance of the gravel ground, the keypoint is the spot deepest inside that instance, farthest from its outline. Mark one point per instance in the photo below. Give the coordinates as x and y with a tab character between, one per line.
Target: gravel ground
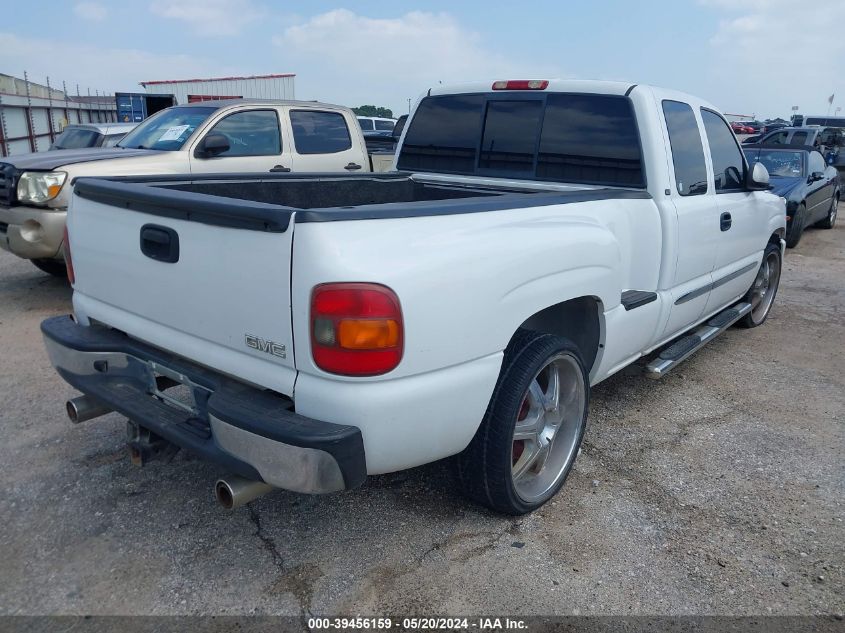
718	490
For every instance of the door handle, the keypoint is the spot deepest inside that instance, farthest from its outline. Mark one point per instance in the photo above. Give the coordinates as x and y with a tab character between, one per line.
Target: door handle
280	168
352	166
725	221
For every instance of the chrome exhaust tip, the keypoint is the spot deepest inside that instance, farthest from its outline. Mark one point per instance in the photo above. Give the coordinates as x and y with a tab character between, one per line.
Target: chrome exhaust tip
85	408
235	491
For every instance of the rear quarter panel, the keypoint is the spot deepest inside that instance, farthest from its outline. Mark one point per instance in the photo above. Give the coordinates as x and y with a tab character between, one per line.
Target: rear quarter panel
466	282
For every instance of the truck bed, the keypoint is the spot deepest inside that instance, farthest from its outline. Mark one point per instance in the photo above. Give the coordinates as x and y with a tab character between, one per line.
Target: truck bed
267	202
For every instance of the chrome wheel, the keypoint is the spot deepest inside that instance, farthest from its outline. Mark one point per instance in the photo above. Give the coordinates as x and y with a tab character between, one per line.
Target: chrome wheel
548	428
765	286
831	218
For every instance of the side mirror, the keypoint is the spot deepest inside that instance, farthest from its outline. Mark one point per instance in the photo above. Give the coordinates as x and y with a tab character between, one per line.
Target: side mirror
814	177
758	178
212	145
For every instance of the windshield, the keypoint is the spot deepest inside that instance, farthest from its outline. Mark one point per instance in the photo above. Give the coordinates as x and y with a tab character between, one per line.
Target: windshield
76	138
783	164
167	130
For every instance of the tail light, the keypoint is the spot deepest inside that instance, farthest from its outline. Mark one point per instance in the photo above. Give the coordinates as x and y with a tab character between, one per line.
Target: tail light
521	84
356	329
71	277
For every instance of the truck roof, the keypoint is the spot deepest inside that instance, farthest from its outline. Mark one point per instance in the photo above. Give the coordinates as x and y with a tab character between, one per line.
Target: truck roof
555	85
224	103
587	86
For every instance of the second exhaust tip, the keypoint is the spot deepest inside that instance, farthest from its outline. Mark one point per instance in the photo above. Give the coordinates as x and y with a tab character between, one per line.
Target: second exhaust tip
235	491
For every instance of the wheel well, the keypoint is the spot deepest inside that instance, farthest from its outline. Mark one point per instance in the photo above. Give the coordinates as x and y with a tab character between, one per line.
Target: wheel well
776	237
576	319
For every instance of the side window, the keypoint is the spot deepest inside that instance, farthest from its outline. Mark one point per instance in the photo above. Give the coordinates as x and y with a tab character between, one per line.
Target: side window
799	138
815	163
687	150
778	138
728	165
316	132
510	135
253	133
366	125
590	139
443	134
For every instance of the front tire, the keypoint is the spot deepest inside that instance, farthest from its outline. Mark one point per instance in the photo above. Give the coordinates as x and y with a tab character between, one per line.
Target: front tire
830	220
793	236
51	267
529	437
762	293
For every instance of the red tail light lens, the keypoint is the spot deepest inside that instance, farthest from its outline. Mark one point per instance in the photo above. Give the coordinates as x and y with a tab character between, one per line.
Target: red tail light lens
356	329
71	277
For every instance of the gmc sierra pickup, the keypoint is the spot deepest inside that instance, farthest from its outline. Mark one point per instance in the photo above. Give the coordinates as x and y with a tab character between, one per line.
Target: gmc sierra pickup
305	331
227	136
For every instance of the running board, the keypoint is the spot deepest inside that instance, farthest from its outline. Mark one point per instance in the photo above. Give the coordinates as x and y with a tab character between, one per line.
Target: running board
682	348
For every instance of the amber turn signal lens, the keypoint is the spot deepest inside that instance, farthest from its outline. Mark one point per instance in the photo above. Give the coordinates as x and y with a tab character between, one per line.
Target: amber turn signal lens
53	191
368	333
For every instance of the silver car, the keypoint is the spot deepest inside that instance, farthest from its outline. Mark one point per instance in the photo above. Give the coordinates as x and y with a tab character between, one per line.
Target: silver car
81	135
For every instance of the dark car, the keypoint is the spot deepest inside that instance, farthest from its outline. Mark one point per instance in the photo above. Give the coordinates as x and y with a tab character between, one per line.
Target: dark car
771	127
811	187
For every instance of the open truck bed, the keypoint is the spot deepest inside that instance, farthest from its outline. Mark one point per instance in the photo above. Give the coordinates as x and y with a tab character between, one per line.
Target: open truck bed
267	202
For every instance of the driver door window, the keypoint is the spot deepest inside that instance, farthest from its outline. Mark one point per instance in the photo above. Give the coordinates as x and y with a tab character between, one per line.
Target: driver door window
255	144
742	215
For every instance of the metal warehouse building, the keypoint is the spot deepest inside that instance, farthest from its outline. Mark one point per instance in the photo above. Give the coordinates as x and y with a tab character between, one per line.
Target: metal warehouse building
254	87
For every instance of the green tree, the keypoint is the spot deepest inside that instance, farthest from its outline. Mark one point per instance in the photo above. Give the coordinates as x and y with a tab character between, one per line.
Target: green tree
371	110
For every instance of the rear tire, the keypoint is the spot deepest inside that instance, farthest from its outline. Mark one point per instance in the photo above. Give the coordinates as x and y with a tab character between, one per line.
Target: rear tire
763	291
529	437
793	236
830	220
53	267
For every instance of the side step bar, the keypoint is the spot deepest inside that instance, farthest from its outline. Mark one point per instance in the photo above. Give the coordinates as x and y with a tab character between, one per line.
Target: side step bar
682	348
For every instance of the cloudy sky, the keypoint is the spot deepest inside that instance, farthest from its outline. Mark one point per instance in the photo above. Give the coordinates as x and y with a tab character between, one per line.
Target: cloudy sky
756	57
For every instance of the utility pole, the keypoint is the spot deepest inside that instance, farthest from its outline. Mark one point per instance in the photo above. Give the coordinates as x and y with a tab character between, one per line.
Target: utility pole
409	105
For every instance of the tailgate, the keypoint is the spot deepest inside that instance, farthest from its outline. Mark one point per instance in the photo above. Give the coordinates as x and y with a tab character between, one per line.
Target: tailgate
225	300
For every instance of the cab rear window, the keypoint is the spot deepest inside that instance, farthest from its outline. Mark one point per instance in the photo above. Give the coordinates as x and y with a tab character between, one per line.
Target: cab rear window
557	137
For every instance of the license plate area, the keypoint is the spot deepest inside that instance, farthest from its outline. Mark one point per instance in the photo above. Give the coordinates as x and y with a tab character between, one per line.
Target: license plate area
175	389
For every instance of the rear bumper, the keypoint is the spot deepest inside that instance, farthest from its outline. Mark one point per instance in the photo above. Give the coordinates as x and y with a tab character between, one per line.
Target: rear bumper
32	233
252	432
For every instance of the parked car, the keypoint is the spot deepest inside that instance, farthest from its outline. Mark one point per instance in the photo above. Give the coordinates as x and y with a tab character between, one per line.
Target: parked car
811	188
829	141
376	125
739	127
227	136
460	306
771	127
82	135
820	119
386	143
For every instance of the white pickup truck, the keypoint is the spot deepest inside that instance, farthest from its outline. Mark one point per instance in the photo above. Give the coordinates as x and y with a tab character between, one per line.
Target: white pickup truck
539	236
227	136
